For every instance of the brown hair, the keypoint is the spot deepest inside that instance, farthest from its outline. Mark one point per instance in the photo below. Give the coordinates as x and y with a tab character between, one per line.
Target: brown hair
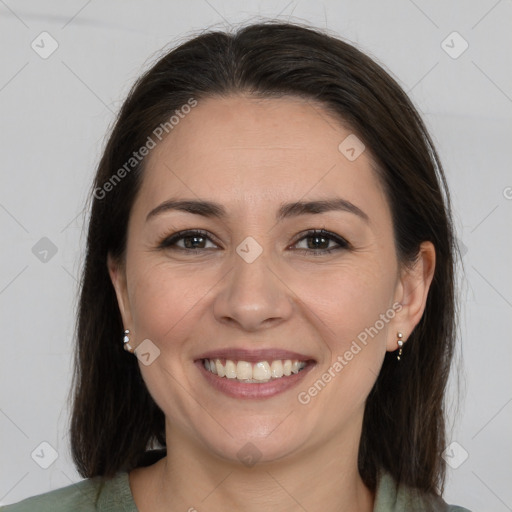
114	418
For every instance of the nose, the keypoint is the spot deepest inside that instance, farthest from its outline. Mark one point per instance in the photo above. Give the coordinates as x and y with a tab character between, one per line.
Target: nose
253	297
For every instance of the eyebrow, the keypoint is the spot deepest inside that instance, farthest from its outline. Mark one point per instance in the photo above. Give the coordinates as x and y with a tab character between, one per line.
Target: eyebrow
288	210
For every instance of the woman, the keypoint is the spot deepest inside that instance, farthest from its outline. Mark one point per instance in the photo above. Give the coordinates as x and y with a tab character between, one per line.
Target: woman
270	242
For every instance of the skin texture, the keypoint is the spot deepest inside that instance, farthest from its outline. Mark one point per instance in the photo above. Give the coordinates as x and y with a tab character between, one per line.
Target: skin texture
251	156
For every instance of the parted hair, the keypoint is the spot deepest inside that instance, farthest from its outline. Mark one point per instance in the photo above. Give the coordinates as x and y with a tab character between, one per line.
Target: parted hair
114	419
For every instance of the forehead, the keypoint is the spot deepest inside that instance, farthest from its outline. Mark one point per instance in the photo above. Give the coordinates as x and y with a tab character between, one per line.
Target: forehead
244	150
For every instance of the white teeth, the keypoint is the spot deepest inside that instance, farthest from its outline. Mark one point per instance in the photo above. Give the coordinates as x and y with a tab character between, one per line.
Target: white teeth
230	369
295	367
262	371
221	372
243	370
276	369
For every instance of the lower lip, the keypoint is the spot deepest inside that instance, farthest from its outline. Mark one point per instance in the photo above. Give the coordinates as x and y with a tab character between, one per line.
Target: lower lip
237	389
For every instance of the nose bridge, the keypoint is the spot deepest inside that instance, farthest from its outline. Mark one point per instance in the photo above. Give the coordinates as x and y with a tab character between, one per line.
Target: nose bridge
252	296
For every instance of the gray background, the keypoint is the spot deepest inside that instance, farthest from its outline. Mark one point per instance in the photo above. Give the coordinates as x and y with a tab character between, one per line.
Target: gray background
54	116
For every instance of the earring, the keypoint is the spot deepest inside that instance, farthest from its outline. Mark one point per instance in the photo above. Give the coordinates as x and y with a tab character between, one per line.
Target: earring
400	345
126	341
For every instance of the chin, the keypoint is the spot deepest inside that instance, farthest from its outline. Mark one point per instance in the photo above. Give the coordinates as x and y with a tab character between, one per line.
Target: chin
266	442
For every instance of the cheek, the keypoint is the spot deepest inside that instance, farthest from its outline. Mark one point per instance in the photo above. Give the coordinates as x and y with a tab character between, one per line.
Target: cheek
348	298
349	306
164	301
353	308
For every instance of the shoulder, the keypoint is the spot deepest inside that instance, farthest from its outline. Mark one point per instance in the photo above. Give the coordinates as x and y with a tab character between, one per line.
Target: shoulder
95	494
390	498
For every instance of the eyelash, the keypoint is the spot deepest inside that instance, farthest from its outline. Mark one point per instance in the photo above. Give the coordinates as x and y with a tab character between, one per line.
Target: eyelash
170	241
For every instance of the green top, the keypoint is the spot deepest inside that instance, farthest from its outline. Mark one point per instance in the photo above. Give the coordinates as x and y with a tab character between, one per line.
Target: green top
114	495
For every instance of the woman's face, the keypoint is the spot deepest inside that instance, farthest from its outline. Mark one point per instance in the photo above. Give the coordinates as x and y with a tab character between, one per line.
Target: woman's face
254	285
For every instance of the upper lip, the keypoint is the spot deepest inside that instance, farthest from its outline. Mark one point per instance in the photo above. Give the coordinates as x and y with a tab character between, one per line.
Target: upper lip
254	356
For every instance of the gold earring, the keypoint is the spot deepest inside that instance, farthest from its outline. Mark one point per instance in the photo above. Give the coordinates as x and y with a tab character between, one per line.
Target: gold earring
400	345
126	341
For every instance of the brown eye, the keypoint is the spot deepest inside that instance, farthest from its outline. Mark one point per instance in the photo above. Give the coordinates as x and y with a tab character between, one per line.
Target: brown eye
188	241
320	242
194	242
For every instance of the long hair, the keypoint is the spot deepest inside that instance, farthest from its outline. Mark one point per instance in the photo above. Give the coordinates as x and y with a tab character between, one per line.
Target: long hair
114	418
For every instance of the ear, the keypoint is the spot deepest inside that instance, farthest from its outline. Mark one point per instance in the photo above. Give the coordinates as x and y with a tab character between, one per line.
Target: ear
117	274
412	292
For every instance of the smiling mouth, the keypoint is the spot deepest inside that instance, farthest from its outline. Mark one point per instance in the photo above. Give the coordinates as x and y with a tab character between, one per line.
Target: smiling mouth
254	373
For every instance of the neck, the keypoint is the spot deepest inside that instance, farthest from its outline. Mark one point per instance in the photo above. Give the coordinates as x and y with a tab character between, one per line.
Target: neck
190	479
